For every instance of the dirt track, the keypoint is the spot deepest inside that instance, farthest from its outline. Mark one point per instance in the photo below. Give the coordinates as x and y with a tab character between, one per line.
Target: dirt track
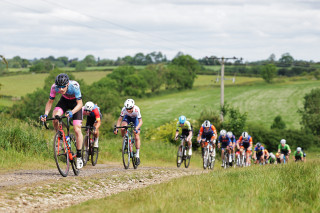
45	190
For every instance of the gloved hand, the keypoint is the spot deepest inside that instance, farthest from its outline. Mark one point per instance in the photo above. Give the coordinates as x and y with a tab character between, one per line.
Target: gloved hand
43	117
69	113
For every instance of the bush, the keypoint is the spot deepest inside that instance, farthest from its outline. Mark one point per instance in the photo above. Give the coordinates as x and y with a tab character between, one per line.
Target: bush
22	137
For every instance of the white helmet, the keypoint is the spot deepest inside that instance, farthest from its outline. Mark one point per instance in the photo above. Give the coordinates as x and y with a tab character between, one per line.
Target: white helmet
206	123
129	103
229	134
89	106
283	141
223	132
299	149
245	135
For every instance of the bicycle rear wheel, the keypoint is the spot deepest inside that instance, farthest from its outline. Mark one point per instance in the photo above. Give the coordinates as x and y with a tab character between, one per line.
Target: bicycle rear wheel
74	160
85	150
61	154
125	152
179	156
134	159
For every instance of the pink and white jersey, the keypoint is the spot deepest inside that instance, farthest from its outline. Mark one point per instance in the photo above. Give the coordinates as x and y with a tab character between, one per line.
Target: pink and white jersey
135	113
73	91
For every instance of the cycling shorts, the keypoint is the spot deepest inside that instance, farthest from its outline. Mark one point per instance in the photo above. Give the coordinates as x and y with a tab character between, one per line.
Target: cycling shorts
285	152
69	104
185	132
207	137
298	158
129	119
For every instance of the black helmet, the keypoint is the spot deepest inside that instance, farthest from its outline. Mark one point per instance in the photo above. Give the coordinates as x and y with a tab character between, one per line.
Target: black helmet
259	144
62	80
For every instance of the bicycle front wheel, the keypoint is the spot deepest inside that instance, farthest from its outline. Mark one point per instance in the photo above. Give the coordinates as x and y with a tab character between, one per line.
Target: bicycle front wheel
74	160
187	159
94	155
61	154
85	150
125	152
205	159
179	156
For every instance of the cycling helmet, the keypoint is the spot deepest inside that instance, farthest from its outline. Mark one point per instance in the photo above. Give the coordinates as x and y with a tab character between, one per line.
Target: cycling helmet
89	106
129	103
283	141
206	123
299	149
229	134
223	132
258	144
62	80
182	119
245	135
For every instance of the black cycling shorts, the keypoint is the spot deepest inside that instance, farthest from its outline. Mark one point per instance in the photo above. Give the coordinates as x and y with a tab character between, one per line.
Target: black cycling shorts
69	104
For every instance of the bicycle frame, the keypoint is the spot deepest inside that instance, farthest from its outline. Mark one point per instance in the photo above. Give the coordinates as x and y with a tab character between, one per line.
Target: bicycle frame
60	125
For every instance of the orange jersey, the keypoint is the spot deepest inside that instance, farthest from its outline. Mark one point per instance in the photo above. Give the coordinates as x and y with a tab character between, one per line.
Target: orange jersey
211	130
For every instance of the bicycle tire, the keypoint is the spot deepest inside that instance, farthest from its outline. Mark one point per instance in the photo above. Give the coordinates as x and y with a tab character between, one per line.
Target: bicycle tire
61	155
212	161
74	160
205	159
134	159
187	159
94	155
125	152
179	156
85	150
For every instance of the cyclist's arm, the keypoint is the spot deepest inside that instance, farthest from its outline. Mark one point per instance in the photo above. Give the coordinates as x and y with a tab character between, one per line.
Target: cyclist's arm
48	106
140	123
190	135
77	107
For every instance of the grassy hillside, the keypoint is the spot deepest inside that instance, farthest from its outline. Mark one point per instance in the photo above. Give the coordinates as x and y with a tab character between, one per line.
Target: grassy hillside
272	188
263	102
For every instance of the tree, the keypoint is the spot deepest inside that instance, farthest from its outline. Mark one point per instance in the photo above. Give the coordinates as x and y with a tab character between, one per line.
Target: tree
268	72
89	60
286	60
311	112
278	123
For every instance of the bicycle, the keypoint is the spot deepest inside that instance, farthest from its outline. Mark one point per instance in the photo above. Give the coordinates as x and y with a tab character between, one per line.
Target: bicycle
87	147
62	149
128	150
208	158
183	154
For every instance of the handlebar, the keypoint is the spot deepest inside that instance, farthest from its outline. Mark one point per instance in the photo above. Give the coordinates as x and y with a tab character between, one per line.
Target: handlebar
59	118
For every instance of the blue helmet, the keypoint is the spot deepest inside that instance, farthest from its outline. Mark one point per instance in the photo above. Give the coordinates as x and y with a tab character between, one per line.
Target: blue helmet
182	119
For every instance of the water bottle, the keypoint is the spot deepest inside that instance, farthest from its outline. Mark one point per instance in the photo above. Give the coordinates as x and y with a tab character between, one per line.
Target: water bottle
68	141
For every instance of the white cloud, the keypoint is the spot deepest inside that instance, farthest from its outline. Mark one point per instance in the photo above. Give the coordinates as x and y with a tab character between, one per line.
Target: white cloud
109	29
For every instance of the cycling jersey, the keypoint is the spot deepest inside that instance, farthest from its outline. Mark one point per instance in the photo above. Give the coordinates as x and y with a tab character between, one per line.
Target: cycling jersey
135	113
186	128
207	134
245	142
298	154
225	141
95	113
232	139
73	91
284	148
258	150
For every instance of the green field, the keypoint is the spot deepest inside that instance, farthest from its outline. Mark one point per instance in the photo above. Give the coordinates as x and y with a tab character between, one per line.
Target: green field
293	187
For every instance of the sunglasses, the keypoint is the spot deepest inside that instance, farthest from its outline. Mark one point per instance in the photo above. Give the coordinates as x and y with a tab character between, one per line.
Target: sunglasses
61	87
129	109
87	110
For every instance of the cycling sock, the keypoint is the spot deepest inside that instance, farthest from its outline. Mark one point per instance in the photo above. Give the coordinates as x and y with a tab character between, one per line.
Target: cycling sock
137	154
96	140
79	153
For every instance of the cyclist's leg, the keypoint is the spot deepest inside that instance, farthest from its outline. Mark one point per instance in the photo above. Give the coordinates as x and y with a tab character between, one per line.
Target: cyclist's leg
60	108
137	137
281	157
124	123
77	123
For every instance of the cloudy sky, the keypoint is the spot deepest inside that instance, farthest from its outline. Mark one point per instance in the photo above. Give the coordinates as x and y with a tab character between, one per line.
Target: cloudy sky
251	29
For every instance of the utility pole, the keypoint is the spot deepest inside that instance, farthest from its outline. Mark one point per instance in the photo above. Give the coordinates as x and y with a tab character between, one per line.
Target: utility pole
222	60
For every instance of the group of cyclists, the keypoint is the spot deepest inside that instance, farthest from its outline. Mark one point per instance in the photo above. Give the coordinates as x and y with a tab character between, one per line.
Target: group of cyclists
227	143
71	105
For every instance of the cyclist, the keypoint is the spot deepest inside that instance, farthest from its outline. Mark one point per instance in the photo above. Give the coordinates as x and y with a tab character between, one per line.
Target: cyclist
187	131
225	143
272	158
284	150
208	132
258	154
245	143
232	138
298	155
70	100
92	111
131	113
